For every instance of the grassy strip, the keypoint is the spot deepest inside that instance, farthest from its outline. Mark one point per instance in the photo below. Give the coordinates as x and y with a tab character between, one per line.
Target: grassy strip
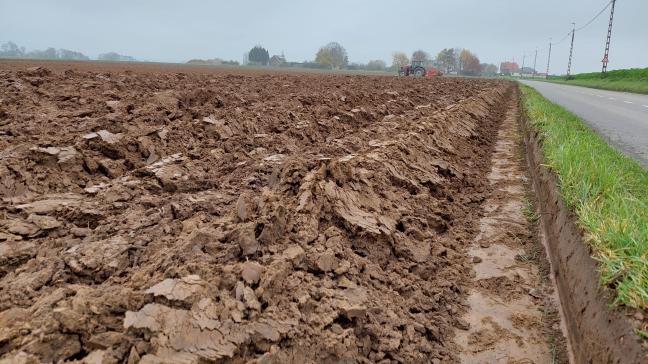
626	74
636	86
630	80
608	192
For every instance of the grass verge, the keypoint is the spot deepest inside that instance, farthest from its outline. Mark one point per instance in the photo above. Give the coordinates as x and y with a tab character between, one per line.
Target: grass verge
638	87
608	192
629	80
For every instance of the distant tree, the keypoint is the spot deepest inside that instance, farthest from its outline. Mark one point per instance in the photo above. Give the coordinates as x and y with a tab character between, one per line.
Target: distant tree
72	55
356	66
470	65
116	57
447	59
11	50
332	55
376	65
399	59
110	56
210	62
421	56
458	64
315	65
488	69
259	55
49	53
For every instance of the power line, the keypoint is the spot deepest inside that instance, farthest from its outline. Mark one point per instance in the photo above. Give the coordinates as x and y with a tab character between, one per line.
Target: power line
574	30
563	38
595	17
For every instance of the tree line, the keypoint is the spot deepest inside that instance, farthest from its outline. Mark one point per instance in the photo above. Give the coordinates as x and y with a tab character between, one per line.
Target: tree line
12	50
330	56
334	56
448	60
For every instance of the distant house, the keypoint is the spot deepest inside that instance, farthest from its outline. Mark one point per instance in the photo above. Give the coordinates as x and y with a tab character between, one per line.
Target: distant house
276	61
509	68
527	71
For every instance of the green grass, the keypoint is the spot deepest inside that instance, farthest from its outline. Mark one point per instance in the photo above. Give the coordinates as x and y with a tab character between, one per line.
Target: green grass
626	86
529	211
607	191
629	80
643	334
627	74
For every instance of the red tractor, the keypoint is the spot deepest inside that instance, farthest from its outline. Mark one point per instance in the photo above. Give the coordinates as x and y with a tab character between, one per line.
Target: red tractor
417	69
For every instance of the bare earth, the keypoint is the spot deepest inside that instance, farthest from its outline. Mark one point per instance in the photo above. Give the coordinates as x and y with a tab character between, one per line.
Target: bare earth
184	215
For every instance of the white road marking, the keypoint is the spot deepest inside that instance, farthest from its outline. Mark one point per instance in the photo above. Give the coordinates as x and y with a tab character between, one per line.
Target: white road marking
628	102
611	98
644	105
599	96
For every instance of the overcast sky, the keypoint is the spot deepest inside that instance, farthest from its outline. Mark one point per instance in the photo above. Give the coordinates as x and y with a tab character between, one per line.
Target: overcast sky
176	31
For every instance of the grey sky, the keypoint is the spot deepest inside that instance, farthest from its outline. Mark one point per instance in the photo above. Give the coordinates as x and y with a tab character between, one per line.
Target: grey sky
175	31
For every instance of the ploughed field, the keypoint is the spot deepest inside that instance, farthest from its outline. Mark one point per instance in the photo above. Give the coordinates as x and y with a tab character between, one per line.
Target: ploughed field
170	216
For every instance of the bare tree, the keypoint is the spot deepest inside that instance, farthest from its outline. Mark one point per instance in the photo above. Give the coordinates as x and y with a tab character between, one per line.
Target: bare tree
399	59
420	56
333	55
113	56
376	65
469	63
447	59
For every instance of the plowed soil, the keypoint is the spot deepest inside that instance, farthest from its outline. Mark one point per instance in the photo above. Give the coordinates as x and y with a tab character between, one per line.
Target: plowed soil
165	216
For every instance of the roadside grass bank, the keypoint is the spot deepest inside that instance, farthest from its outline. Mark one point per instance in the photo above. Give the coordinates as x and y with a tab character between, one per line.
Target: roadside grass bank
607	191
628	80
638	87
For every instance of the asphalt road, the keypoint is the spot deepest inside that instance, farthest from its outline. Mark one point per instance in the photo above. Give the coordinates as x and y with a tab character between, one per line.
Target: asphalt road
620	117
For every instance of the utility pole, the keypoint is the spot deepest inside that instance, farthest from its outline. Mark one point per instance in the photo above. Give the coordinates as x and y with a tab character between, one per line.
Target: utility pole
607	43
522	70
535	62
571	50
548	60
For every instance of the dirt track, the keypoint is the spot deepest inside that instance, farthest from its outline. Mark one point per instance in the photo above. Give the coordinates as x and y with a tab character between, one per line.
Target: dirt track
178	217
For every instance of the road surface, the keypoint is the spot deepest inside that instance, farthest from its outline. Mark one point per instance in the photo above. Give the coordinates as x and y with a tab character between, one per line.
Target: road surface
620	117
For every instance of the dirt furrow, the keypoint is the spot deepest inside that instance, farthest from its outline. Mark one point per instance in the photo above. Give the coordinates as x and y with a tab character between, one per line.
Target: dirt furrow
511	315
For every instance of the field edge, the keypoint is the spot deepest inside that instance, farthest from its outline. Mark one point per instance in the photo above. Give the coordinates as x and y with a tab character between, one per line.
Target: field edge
637	87
588	315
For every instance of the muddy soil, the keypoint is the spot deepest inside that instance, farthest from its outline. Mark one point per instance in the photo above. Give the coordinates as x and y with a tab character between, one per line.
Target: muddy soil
512	314
166	217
